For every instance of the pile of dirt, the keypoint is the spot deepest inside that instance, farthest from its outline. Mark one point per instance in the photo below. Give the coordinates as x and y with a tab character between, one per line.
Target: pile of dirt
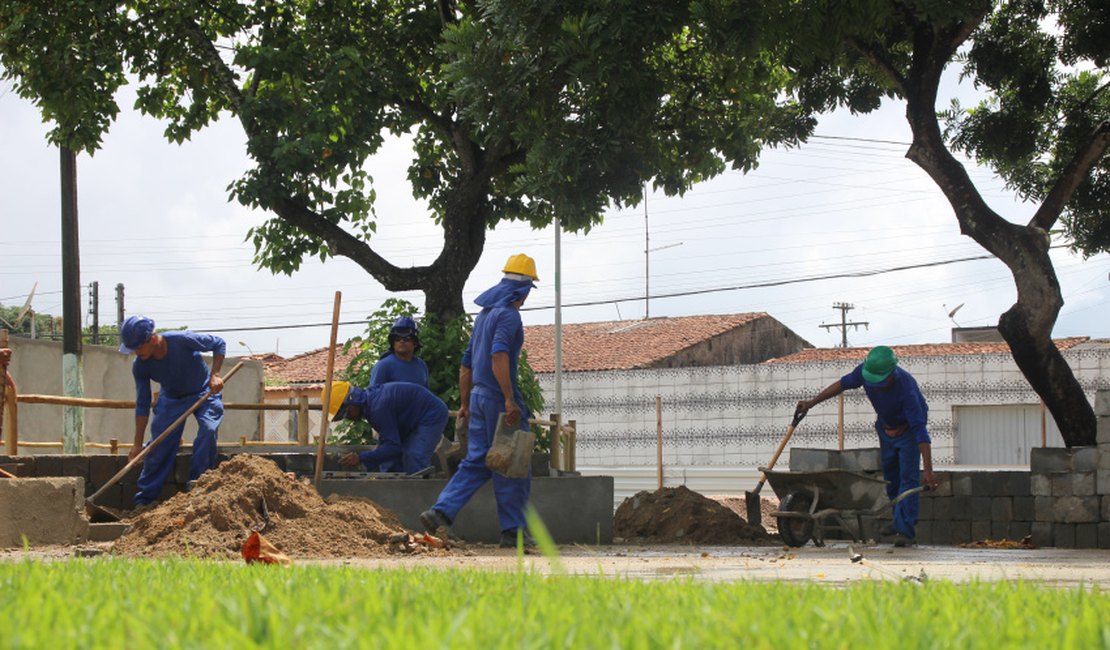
740	506
680	515
217	515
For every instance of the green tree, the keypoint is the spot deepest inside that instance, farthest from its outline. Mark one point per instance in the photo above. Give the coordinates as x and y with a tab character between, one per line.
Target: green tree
1043	125
317	87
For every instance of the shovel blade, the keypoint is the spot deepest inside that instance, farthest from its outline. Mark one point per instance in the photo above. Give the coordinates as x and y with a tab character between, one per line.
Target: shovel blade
754	508
101	514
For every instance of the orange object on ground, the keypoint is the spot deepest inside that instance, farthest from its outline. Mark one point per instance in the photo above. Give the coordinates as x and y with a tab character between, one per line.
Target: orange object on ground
258	549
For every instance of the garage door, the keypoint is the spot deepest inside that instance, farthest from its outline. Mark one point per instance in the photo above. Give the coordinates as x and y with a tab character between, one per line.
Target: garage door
1001	435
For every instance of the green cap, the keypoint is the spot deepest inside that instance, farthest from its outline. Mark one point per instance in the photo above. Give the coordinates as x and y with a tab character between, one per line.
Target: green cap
879	364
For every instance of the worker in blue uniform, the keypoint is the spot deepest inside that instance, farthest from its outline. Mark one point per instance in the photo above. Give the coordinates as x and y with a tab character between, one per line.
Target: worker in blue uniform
902	426
488	387
173	359
409	420
399	362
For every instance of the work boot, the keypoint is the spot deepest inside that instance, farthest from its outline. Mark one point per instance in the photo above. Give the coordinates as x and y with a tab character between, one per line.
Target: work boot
436	523
508	539
902	541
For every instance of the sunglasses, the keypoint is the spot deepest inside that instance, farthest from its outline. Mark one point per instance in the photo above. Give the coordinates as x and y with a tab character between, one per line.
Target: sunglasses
404	337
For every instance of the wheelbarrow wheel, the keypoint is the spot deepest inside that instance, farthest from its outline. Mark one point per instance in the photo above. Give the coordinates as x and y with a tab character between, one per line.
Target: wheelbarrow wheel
795	531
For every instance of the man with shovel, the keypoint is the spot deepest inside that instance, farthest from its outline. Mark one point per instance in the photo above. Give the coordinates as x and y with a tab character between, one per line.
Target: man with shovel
902	428
488	387
173	359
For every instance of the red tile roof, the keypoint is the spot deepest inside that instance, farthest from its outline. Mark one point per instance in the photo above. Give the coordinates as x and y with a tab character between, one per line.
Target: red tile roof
906	351
622	345
309	367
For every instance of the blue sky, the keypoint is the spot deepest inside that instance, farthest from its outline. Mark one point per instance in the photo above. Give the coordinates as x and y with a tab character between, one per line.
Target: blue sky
155	217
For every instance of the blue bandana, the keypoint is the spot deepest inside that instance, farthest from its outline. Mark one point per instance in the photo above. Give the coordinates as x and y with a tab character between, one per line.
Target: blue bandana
504	293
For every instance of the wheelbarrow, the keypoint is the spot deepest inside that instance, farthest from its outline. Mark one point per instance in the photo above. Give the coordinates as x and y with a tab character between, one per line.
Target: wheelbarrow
813	504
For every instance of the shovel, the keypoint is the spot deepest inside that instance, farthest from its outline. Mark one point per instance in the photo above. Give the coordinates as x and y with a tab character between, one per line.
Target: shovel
510	455
751	499
104	514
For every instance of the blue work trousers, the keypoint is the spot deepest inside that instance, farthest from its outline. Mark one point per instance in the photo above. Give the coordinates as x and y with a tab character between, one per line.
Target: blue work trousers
159	463
901	460
511	493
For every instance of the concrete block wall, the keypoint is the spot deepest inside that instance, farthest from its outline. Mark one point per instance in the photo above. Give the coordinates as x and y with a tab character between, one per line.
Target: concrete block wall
1063	501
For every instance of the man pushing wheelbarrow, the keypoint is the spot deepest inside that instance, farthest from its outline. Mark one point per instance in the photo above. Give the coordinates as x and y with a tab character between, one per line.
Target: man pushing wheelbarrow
902	429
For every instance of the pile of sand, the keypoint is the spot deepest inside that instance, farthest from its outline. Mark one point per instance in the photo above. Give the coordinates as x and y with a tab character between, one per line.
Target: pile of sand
680	515
217	515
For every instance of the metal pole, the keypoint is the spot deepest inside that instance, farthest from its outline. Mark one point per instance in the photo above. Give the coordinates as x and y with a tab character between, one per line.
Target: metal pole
659	438
647	264
558	319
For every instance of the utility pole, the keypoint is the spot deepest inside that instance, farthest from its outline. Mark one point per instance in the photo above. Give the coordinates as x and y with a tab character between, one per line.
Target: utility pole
119	306
94	311
73	435
844	324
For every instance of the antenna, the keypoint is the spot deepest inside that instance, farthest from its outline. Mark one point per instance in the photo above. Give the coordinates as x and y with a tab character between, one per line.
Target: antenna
952	313
24	312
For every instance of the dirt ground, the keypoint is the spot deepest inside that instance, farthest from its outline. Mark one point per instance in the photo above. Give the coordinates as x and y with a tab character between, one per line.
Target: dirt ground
669	533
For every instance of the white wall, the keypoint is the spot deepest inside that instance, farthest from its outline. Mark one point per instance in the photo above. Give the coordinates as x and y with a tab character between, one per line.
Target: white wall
736	415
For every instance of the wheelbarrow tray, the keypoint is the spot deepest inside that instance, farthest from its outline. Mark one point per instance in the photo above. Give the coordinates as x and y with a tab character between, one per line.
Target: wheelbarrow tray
839	489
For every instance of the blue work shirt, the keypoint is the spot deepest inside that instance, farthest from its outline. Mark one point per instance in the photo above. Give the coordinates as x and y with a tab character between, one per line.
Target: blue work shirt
395	410
496	329
901	403
181	373
390	369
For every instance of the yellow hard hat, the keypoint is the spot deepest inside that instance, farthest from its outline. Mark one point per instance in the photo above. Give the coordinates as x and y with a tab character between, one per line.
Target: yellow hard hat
339	391
521	264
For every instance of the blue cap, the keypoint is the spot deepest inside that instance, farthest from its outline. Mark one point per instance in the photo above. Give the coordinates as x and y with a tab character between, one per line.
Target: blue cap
136	330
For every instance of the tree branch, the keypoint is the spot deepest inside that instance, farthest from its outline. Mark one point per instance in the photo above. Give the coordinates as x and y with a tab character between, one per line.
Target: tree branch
1072	177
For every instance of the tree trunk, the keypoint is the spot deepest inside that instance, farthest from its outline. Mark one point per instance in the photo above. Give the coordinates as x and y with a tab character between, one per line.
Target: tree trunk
1027	325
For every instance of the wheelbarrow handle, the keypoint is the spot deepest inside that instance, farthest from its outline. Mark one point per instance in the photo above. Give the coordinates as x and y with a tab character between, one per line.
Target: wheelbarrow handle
907	493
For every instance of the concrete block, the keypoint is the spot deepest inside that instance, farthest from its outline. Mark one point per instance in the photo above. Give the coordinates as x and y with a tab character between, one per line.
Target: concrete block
961	509
107	532
1001	530
984	484
1102	433
925	509
1042	533
944	486
1061	484
101	470
1086	535
810	460
1104	534
957	532
75	465
861	460
940	508
961	484
575	509
1017	484
1104	456
981	530
1040	485
1083	483
1019	529
49	510
1084	459
1002	509
1077	510
1102	402
48	465
980	509
1023	509
1104	509
1049	459
1063	535
1044	509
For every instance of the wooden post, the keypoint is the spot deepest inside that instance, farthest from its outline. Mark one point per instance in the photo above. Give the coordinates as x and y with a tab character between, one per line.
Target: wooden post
327	390
572	446
243	442
302	419
113	446
659	438
840	420
553	432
